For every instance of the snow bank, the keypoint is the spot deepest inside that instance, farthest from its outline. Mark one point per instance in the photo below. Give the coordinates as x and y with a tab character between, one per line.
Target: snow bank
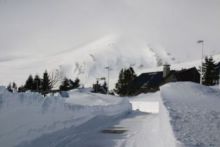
194	112
157	123
27	116
166	131
148	103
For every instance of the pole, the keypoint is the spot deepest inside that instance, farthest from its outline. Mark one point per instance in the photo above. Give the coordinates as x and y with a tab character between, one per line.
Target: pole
108	69
201	74
108	83
219	79
202	64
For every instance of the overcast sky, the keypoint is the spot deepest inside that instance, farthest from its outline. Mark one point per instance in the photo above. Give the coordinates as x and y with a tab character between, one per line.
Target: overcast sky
45	26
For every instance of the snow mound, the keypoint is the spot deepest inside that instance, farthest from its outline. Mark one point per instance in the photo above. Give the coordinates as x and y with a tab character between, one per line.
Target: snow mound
27	116
194	112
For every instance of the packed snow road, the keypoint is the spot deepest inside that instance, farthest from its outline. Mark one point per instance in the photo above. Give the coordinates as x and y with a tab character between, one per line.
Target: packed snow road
142	130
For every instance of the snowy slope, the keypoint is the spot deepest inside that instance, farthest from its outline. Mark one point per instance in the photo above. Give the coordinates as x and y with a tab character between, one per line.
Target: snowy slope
182	65
27	116
194	112
87	61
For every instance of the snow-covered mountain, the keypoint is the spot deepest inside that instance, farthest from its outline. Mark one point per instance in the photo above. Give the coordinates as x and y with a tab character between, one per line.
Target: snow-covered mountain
88	61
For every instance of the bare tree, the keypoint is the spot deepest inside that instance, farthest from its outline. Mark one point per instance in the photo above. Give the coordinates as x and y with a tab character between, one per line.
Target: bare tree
56	77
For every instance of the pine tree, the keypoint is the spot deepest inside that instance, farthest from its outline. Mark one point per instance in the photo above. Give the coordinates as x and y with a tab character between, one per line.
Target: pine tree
210	74
76	83
125	77
14	86
21	89
100	88
9	88
29	83
96	87
66	85
46	83
37	83
120	87
105	87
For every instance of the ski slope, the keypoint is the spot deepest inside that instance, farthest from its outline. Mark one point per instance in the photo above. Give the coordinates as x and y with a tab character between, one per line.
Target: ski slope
182	65
86	61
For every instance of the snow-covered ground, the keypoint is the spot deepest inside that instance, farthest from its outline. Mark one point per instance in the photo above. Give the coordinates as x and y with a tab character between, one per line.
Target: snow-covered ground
182	114
157	131
194	111
27	116
30	120
142	128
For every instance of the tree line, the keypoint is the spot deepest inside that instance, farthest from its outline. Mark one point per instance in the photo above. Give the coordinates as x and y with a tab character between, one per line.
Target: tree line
126	76
45	84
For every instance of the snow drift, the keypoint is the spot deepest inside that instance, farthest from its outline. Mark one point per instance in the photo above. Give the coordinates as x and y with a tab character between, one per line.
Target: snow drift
27	116
194	112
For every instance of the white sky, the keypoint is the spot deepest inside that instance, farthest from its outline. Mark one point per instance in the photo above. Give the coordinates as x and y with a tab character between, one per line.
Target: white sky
44	26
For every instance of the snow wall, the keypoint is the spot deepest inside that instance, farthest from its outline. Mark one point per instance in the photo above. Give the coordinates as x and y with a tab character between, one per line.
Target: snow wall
27	116
167	134
194	113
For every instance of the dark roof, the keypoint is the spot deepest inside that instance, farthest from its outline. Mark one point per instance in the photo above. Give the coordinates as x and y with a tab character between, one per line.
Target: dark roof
155	79
152	79
191	74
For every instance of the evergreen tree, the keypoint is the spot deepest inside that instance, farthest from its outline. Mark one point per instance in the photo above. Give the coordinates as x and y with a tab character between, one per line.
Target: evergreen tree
125	77
105	87
14	86
29	83
46	83
21	89
210	74
76	83
100	88
9	88
37	83
96	87
66	85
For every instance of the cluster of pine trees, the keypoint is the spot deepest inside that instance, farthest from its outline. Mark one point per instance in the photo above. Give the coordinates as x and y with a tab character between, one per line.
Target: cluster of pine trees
37	84
210	72
100	88
122	87
125	77
68	84
44	85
